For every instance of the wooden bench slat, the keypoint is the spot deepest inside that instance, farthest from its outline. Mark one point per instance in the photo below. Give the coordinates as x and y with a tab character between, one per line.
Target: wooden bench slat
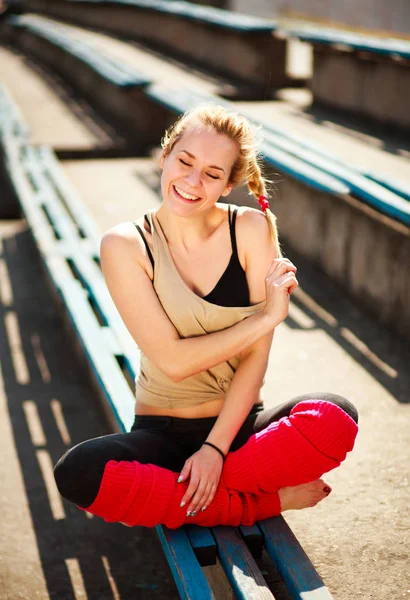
379	45
361	187
88	271
239	566
203	14
253	539
189	577
203	543
105	367
69	195
107	67
292	562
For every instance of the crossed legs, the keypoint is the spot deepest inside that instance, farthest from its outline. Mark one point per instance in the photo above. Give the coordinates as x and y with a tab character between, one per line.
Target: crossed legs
295	450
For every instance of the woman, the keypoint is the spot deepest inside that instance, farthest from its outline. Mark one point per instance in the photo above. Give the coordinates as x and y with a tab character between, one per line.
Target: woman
201	287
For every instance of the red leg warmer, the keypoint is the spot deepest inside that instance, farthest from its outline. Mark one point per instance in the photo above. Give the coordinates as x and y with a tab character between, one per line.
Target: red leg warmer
148	495
313	440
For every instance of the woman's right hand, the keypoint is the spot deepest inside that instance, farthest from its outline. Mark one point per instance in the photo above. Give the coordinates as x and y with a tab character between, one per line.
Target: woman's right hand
280	282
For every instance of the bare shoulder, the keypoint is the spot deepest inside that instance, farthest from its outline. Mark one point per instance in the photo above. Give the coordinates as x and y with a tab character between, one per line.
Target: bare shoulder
253	235
125	241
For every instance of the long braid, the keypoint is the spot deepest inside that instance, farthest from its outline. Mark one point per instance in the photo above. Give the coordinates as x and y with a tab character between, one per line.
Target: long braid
257	187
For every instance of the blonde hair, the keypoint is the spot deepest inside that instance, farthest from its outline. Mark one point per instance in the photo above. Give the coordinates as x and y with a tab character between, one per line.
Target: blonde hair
247	167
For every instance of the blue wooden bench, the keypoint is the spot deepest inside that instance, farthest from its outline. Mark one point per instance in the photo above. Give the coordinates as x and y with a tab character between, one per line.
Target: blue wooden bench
373	72
239	47
68	243
394	48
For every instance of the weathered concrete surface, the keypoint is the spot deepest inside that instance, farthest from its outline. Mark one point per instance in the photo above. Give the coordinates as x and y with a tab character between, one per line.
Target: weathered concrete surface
55	118
370	85
367	253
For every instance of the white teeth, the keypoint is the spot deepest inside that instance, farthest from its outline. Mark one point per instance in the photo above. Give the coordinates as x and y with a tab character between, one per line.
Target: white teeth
185	195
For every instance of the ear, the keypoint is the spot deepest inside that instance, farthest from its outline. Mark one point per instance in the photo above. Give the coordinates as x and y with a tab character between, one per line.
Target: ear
161	159
227	190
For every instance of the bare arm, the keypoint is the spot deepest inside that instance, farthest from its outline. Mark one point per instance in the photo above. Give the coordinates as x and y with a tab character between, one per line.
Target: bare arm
122	261
242	394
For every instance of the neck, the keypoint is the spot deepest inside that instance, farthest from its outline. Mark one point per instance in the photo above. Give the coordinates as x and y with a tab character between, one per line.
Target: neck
187	232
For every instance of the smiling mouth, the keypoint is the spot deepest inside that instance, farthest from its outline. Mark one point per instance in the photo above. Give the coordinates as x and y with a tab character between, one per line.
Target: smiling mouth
184	195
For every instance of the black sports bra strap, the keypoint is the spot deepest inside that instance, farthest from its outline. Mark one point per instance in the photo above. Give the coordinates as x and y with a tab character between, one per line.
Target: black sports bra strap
232	229
147	221
146	244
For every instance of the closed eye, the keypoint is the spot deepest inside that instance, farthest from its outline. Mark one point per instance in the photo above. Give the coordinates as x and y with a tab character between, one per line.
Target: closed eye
188	165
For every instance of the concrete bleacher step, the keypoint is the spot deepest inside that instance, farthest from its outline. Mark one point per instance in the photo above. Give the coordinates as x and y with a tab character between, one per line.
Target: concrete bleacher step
53	114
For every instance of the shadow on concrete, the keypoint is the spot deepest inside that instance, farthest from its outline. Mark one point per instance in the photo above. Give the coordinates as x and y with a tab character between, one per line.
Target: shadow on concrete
114	561
328	307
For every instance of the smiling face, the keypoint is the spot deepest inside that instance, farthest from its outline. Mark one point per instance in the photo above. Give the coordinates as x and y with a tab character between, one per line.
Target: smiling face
196	172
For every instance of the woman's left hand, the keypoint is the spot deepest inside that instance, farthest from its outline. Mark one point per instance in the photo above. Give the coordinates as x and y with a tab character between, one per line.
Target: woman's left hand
204	468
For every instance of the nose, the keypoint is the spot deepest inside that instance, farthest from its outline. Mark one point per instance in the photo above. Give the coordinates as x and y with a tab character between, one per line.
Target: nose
193	178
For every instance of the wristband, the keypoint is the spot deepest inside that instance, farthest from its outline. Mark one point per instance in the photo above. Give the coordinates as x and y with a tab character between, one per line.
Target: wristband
215	448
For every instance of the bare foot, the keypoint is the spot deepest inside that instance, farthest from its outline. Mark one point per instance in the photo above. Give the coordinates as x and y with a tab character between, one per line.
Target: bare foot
303	496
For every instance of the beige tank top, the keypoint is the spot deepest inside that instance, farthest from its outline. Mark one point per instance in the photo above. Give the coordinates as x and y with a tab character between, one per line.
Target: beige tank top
191	316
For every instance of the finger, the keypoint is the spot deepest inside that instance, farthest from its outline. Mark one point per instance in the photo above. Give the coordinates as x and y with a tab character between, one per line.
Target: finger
293	287
285	280
211	496
282	268
186	469
190	491
277	262
205	500
195	502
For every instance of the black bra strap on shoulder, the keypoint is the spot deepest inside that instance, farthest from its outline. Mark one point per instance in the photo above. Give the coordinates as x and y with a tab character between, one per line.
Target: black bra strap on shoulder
146	244
147	221
233	231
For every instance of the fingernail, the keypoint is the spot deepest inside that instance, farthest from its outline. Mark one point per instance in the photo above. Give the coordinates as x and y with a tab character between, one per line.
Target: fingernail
182	504
180	478
189	513
194	513
204	508
327	490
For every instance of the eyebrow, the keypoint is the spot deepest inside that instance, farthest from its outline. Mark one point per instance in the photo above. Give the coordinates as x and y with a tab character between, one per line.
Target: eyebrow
210	166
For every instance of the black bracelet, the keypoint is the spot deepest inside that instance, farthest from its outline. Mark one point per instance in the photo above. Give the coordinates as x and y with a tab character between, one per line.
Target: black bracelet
216	448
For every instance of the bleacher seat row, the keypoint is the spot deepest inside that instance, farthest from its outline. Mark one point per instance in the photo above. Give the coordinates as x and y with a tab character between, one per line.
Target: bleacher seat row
239	47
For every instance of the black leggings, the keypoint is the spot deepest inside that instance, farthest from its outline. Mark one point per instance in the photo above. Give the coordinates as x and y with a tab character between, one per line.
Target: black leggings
163	441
